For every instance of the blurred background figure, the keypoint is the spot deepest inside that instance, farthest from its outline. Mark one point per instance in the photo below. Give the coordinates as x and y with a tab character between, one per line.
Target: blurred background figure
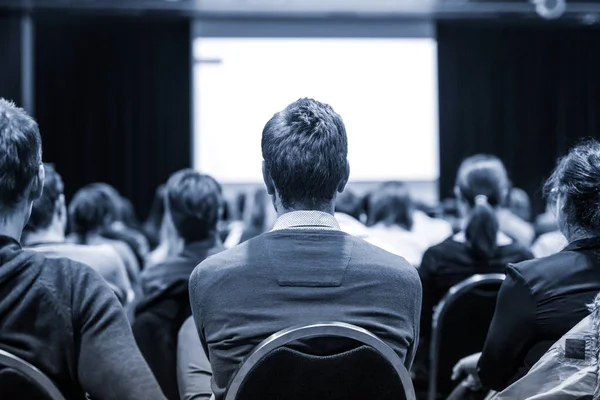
391	219
254	210
349	212
92	211
480	247
45	233
194	204
551	240
515	216
519	203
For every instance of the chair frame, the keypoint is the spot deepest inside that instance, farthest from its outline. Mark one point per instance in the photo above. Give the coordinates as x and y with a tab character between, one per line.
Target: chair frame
440	312
320	329
43	382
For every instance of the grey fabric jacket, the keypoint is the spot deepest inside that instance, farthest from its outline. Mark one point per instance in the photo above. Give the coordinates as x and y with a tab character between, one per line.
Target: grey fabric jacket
568	370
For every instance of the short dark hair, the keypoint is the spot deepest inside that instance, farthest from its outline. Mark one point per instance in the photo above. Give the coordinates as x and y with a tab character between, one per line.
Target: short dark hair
194	202
391	203
44	208
20	153
577	177
305	149
482	177
92	208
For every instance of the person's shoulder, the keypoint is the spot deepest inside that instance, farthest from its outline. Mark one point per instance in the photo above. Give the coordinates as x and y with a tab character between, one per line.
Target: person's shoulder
223	262
380	260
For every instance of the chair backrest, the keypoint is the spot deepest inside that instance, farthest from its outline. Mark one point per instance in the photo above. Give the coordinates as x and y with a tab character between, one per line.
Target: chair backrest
274	370
21	380
459	328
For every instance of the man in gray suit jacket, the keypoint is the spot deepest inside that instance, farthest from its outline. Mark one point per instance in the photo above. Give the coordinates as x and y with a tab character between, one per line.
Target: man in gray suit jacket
305	270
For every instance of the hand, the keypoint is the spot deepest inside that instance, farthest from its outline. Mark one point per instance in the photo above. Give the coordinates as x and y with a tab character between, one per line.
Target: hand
468	366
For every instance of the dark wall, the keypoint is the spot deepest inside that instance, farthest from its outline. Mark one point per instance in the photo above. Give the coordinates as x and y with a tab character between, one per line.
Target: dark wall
113	102
10	58
524	93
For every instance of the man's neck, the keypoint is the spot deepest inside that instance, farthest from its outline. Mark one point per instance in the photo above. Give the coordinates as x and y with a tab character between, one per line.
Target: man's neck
12	226
49	235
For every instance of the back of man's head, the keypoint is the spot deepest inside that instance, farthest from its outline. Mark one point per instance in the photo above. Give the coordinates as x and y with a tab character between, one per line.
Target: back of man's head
194	202
20	154
47	205
305	151
92	209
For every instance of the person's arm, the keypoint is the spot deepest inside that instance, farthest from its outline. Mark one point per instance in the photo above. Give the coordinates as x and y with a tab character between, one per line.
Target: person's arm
427	274
109	365
412	350
193	368
511	332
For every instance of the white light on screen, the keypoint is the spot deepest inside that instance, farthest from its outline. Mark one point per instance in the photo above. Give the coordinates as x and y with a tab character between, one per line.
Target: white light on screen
384	89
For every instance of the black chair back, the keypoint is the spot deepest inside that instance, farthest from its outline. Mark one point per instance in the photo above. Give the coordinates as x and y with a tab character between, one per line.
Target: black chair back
459	328
370	369
21	380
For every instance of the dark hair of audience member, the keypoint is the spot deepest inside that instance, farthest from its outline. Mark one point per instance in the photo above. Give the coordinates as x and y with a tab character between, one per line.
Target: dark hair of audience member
482	183
577	179
305	149
20	153
391	204
349	203
256	212
91	210
194	201
44	207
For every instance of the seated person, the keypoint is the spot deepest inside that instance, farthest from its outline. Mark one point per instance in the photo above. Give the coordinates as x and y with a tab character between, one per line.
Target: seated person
55	313
91	212
193	367
479	248
348	210
193	202
568	370
542	299
390	219
254	219
45	233
305	270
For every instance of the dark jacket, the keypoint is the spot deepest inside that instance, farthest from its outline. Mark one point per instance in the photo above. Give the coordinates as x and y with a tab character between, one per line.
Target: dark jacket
290	277
60	316
164	308
538	303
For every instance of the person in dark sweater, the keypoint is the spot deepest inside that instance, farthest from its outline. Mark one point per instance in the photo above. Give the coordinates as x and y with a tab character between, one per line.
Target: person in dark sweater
193	202
55	313
306	269
542	299
480	247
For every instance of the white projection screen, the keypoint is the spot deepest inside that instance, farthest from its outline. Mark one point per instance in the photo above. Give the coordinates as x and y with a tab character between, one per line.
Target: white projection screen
385	89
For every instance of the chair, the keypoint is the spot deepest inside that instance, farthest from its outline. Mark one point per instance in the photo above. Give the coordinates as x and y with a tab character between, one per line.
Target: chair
21	380
275	370
459	328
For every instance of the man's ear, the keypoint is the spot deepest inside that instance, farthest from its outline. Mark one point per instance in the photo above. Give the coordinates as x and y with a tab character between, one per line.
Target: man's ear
344	181
37	184
268	180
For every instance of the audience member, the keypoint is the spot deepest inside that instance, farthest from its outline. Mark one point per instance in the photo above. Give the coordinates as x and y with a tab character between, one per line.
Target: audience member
123	226
254	219
56	313
479	248
91	212
551	240
390	220
433	230
305	269
568	370
193	201
348	213
45	233
193	367
542	299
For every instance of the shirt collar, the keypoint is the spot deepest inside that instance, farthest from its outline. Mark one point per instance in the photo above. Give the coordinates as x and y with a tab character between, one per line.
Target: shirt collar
582	244
306	219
